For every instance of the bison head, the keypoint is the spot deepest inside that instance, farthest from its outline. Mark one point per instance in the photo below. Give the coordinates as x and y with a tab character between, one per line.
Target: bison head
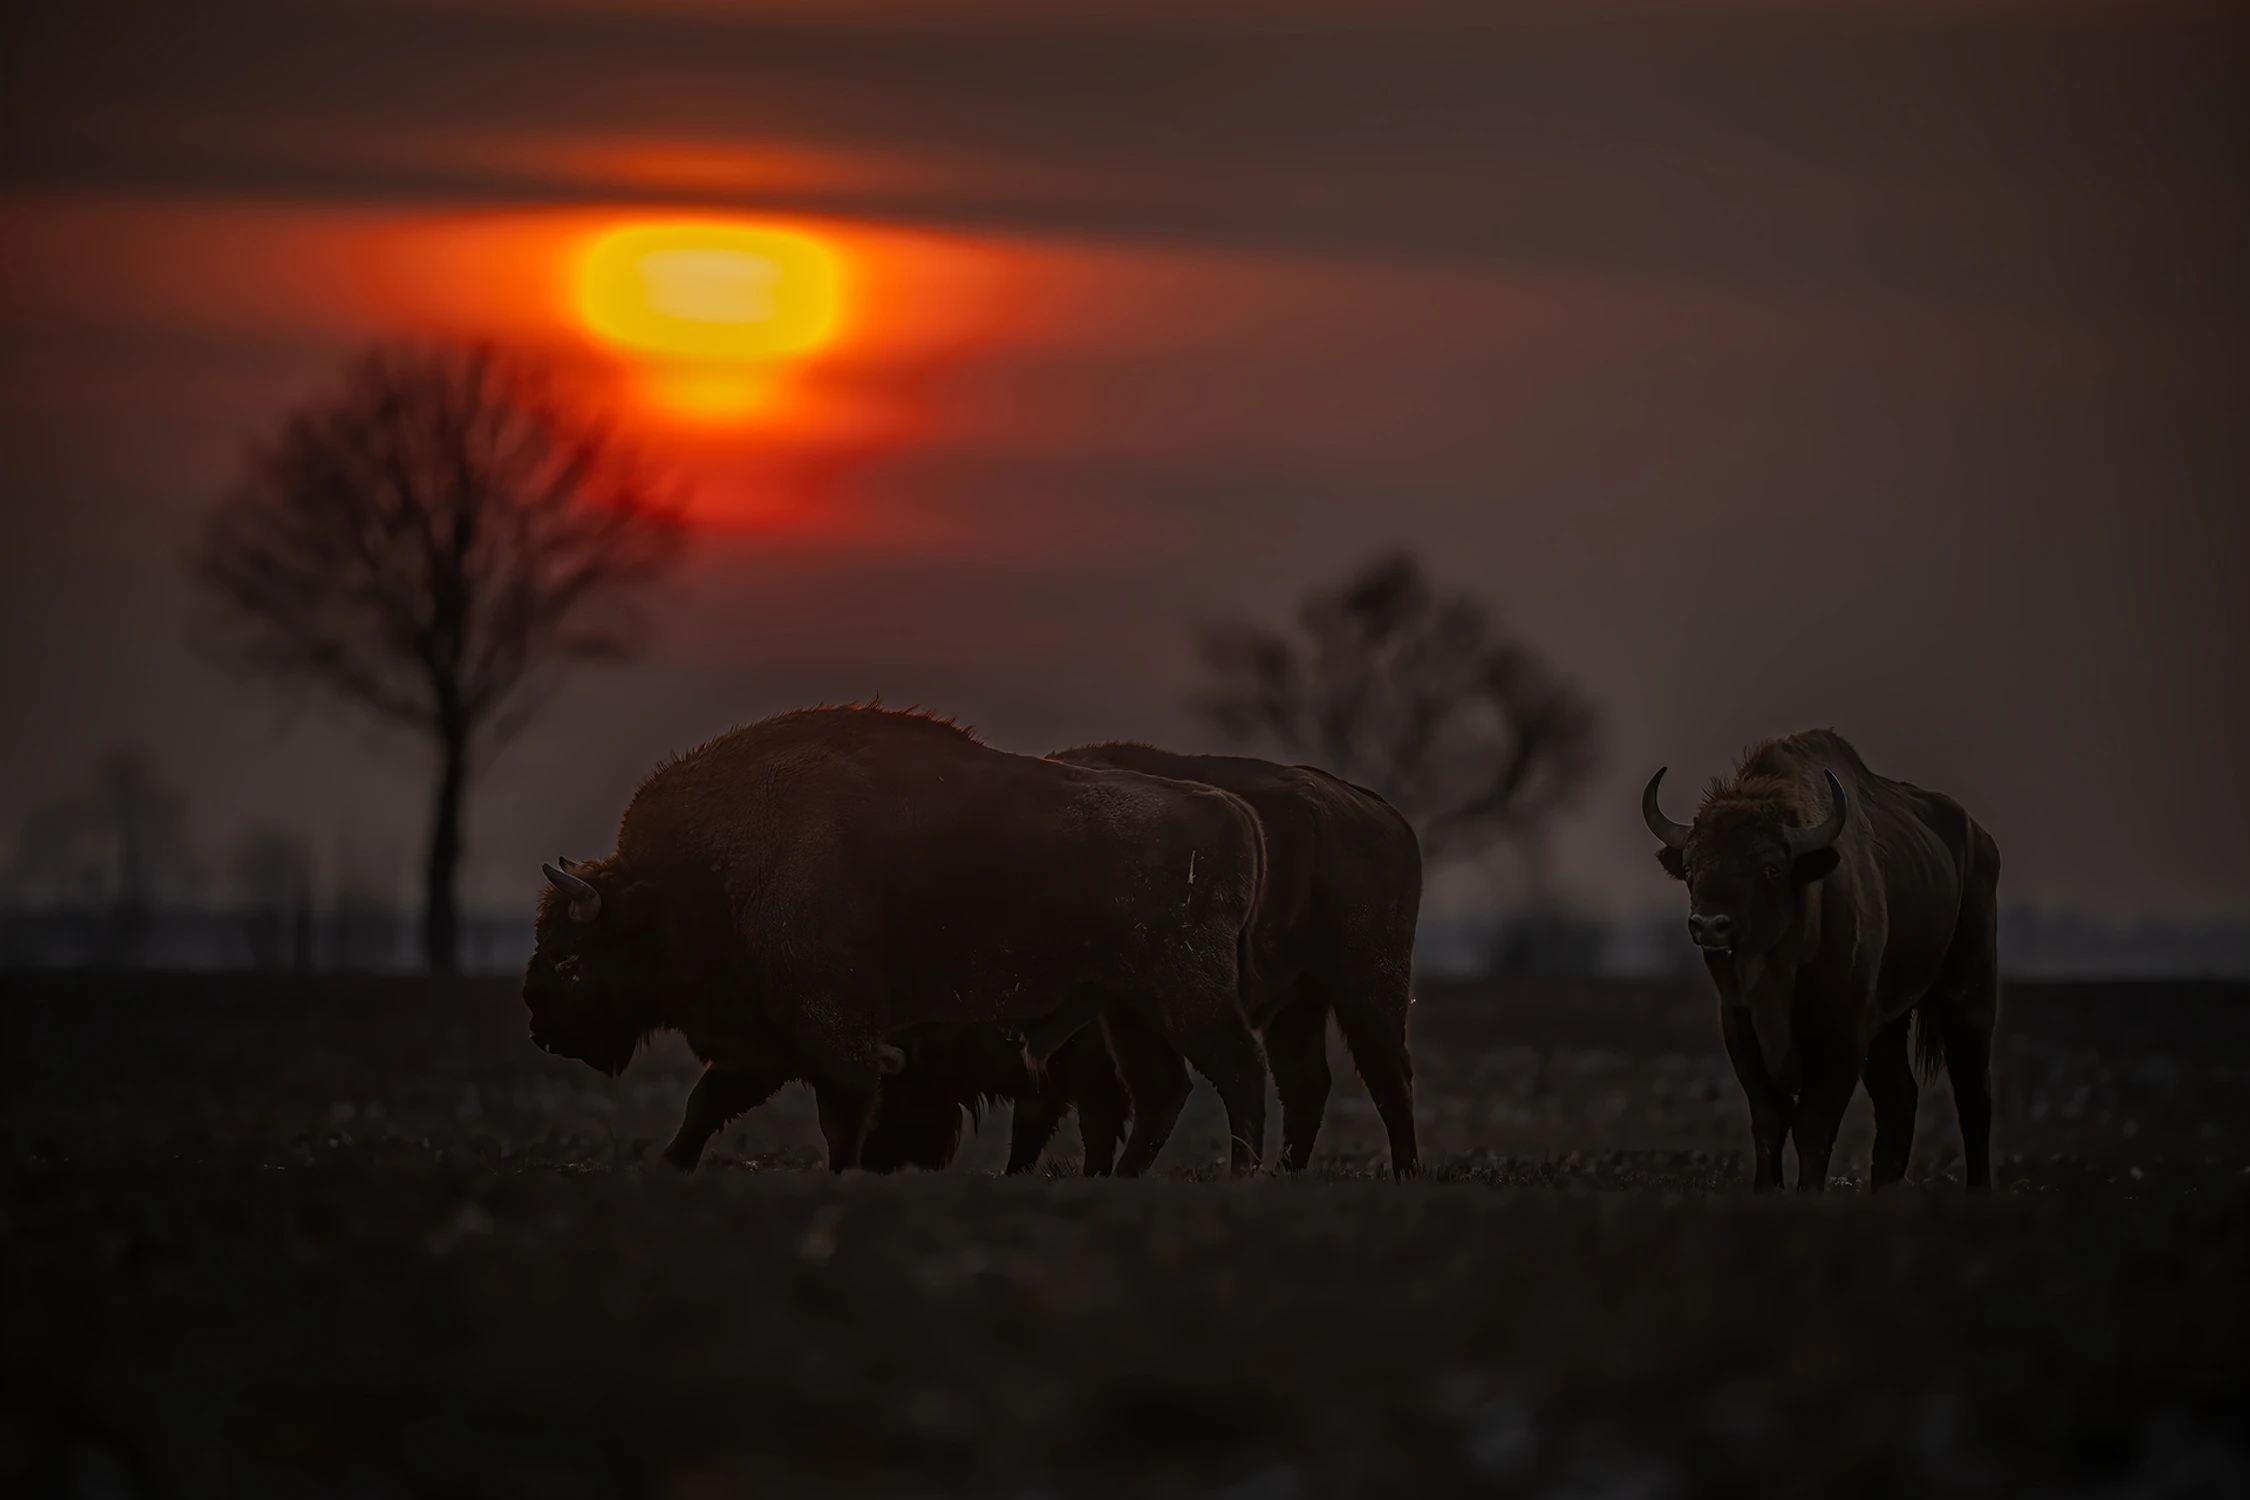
1744	861
595	979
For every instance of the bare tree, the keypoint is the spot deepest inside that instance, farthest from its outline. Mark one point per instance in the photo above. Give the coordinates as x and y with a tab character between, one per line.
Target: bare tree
1417	694
435	542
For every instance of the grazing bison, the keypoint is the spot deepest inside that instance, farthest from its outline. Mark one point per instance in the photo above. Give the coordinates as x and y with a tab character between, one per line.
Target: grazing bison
1831	904
1334	932
791	892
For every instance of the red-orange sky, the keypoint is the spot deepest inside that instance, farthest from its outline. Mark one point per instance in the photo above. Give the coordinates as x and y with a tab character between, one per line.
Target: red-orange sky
1768	365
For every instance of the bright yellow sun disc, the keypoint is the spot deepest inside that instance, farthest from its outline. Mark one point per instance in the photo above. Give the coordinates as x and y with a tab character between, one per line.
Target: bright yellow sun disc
710	290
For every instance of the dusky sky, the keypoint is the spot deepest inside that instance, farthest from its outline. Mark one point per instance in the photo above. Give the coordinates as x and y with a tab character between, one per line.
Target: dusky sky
1870	365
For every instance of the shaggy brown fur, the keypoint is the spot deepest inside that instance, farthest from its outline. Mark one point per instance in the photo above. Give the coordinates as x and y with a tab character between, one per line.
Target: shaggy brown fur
792	891
1334	933
1829	955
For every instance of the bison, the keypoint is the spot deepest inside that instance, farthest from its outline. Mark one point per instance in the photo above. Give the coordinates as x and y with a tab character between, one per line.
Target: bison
1831	905
795	890
1334	932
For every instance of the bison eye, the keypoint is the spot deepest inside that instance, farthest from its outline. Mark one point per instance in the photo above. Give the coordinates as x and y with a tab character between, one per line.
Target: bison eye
1773	872
569	971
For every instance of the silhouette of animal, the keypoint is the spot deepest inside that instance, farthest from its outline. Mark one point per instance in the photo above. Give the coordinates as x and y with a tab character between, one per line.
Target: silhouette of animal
1831	905
1334	933
791	892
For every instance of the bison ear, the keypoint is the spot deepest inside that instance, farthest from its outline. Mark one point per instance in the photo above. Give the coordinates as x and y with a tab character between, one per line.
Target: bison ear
1813	864
1673	861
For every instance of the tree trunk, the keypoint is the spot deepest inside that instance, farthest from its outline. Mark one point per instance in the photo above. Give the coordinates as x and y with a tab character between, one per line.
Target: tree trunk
441	923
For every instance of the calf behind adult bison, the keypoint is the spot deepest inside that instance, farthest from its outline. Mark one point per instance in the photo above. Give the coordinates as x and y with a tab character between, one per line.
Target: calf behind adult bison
950	1069
1334	934
1831	906
791	892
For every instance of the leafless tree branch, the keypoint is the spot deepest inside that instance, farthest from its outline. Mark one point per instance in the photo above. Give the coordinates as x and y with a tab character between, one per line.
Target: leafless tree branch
1419	695
434	542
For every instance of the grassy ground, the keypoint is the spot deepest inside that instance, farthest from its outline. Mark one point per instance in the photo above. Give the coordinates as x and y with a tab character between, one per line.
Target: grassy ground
279	1237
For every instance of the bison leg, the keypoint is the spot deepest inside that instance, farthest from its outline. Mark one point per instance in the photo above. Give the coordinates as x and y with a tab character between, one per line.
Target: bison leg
1890	1087
1770	1108
1157	1078
719	1095
1968	1057
911	1129
1102	1102
1971	1008
1038	1115
846	1097
1080	1073
1372	1016
1297	1050
1832	1067
1225	1050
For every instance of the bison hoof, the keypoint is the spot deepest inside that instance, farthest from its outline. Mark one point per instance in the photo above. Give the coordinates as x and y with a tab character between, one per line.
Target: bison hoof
681	1158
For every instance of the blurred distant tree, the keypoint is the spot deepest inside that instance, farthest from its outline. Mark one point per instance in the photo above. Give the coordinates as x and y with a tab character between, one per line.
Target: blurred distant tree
435	542
1418	694
117	847
272	873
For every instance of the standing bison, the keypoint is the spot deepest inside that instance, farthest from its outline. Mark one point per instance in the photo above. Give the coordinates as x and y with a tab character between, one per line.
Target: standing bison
792	892
1334	933
1831	904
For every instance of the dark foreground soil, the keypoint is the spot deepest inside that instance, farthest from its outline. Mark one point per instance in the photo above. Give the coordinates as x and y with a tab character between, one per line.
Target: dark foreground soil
357	1237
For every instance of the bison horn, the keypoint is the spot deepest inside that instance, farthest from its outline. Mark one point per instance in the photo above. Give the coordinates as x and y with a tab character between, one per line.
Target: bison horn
1674	835
585	901
1806	840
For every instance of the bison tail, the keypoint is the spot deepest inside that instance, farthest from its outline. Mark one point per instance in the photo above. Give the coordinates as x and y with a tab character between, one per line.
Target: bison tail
1929	1044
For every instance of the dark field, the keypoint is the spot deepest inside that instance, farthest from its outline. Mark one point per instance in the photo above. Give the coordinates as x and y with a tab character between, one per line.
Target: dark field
357	1237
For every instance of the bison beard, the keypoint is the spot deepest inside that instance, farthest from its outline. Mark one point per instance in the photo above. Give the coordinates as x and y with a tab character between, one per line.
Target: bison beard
1334	933
1835	908
791	893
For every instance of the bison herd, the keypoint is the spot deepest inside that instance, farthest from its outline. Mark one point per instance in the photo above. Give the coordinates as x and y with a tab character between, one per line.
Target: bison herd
918	925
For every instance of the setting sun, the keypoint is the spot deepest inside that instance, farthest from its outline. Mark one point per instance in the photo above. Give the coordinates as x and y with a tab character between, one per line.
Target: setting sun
711	290
764	356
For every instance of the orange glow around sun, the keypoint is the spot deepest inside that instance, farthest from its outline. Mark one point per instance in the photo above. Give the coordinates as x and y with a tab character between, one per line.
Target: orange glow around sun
760	354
